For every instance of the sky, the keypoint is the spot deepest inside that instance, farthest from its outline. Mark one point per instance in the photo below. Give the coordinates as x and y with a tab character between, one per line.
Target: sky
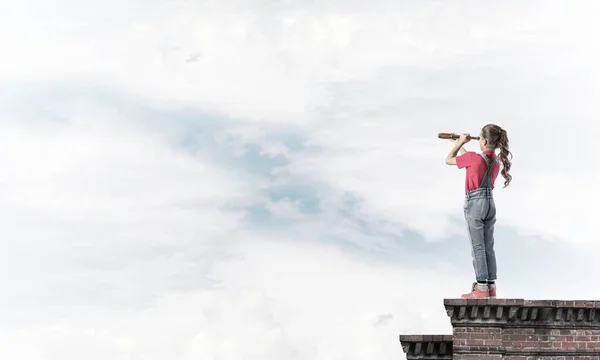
262	180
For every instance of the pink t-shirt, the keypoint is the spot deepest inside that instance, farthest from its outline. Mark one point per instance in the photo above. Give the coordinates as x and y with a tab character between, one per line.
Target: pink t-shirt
476	168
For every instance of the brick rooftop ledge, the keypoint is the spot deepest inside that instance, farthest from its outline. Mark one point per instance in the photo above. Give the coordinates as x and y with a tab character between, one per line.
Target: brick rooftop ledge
551	314
513	329
427	346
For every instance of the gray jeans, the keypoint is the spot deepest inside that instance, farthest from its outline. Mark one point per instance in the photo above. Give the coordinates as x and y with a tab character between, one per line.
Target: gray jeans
480	213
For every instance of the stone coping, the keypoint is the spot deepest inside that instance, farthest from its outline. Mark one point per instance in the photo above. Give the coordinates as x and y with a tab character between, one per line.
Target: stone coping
586	304
425	338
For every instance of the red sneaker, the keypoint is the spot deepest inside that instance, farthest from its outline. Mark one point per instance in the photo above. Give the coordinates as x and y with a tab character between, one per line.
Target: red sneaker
492	289
477	292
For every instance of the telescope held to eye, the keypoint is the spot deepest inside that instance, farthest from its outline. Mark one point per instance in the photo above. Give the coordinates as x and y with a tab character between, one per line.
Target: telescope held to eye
453	136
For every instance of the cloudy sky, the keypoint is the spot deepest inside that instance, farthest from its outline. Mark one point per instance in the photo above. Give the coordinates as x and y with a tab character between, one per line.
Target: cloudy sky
261	180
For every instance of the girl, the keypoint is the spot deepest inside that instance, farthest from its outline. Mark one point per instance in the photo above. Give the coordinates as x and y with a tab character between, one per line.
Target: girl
480	210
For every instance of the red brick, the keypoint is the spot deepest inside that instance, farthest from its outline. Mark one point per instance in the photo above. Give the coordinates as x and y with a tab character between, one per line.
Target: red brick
593	345
477	357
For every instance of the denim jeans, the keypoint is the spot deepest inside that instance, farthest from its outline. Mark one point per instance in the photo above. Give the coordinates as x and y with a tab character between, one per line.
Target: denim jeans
480	214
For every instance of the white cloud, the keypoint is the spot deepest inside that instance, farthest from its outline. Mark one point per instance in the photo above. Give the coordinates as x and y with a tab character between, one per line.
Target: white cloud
120	244
235	139
285	208
278	301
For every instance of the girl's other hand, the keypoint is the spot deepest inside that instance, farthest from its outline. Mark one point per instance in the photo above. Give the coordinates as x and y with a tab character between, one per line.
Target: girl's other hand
464	138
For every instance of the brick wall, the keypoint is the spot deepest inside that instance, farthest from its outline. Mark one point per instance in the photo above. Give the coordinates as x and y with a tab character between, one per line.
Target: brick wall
515	329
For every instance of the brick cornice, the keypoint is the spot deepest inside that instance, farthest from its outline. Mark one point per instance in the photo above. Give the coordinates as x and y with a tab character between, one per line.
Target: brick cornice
549	314
427	346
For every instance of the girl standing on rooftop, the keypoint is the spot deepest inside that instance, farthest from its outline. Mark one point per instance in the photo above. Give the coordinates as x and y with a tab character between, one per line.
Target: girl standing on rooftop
480	210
